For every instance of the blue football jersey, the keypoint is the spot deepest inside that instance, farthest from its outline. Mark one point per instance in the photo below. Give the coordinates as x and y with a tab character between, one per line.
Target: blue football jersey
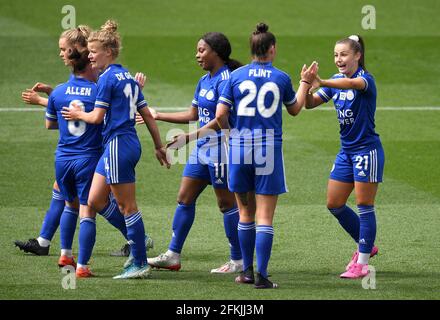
255	93
206	96
119	94
77	138
355	110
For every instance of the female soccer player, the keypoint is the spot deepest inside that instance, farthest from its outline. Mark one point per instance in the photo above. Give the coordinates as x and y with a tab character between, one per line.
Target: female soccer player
41	245
68	41
253	96
117	100
78	151
360	162
205	165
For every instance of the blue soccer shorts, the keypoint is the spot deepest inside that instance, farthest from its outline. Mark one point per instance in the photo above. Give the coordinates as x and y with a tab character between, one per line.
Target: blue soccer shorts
74	178
259	169
365	166
118	162
203	165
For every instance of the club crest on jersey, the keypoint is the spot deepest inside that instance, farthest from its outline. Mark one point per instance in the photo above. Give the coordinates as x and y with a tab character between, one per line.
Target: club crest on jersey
210	95
350	95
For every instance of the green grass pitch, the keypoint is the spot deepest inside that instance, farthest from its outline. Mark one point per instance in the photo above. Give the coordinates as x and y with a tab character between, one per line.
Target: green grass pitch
310	249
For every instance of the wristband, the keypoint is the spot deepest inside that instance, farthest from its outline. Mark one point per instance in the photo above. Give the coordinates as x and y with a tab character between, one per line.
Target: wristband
305	82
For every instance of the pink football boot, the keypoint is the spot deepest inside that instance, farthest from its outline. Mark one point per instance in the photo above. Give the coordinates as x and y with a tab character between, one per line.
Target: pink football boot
356	271
355	256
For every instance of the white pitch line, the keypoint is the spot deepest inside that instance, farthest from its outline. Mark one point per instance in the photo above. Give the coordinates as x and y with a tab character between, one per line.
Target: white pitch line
22	109
408	108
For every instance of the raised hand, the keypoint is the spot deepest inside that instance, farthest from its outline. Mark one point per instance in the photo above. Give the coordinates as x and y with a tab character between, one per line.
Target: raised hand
309	74
141	79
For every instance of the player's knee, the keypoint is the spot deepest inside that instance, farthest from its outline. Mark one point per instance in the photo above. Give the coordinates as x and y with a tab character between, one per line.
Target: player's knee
332	204
225	205
185	199
365	203
93	204
247	217
127	208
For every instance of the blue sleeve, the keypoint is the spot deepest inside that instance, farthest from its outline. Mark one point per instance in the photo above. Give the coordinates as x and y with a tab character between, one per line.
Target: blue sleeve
325	93
51	113
141	102
227	96
104	95
220	87
195	101
289	94
370	85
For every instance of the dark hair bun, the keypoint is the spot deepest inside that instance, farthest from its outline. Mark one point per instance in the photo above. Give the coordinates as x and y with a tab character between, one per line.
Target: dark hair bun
261	28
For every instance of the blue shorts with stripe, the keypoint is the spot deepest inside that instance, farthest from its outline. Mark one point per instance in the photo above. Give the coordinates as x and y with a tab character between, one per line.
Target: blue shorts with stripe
248	171
212	169
364	166
119	159
74	178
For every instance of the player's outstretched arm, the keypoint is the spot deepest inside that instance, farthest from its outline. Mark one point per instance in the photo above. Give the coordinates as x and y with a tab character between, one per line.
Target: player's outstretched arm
208	129
75	113
30	96
42	87
313	100
173	117
160	151
344	83
219	122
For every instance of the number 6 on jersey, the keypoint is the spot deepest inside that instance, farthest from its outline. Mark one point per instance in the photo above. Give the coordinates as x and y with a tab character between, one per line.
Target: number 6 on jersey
76	128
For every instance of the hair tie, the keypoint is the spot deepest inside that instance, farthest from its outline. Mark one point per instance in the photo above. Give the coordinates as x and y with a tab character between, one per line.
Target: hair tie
354	38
